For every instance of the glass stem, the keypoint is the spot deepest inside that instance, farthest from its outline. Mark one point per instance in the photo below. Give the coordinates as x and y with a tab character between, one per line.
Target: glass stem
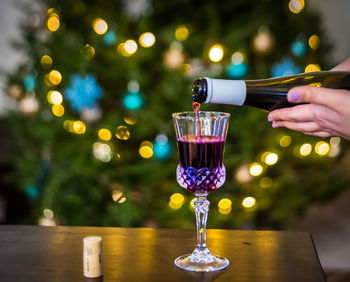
201	206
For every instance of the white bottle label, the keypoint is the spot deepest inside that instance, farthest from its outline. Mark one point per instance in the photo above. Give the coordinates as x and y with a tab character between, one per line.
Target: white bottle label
223	91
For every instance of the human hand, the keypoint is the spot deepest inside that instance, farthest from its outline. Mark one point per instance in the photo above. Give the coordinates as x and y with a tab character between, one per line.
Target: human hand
326	112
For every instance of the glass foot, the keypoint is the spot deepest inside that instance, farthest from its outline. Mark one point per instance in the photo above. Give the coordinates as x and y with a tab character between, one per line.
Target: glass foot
211	263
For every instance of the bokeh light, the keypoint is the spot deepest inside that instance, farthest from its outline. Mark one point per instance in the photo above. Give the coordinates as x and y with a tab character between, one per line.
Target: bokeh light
314	41
248	202
130	118
181	33
104	134
46	61
176	201
55	77
305	149
102	151
53	22
285	141
216	53
122	132
191	205
130	46
99	26
146	150
243	175
312	68
54	97
225	206
296	6
88	52
78	127
255	169
266	182
322	148
58	110
269	158
147	39
118	196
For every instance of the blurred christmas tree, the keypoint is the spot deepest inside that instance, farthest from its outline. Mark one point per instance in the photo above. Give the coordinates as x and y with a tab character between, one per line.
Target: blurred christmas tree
93	137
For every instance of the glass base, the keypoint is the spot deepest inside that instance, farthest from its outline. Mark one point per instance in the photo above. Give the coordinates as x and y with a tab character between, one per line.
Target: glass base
192	263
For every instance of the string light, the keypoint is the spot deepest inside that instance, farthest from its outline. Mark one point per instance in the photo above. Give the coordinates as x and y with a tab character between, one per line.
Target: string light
58	110
255	169
314	41
322	148
269	158
181	33
176	201
55	77
334	147
88	52
99	26
130	46
28	105
285	141
48	213
122	132
104	134
305	149
225	206
78	127
118	196
53	22
147	39
216	53
146	149
46	61
54	97
102	152
312	68
296	6
248	202
242	174
266	182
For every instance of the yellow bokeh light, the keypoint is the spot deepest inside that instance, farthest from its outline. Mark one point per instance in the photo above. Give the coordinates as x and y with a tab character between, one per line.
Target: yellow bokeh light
270	158
146	143
99	26
147	39
58	110
55	77
121	50
68	125
225	204
79	127
322	148
146	152
216	53
312	68
285	141
177	198
88	52
266	182
181	33
314	41
255	169
46	61
296	6
248	202
48	213
104	134
54	97
118	197
130	118
130	46
122	133
53	22
305	149
225	211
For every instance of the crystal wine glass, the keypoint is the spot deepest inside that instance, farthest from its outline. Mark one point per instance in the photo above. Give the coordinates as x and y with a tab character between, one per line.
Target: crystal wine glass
201	148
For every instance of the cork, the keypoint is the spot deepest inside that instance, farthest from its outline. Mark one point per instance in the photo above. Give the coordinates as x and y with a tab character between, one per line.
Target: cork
93	266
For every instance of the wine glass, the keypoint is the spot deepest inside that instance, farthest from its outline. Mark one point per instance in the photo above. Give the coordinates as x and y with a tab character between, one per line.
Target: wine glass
201	141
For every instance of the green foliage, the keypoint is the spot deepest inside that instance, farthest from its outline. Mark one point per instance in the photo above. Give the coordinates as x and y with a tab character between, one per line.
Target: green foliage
77	187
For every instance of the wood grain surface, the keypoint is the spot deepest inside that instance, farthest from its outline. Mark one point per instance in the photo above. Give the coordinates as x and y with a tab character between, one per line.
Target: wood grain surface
35	253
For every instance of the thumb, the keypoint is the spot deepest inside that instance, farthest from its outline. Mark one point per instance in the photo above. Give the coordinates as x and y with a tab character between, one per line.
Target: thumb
317	95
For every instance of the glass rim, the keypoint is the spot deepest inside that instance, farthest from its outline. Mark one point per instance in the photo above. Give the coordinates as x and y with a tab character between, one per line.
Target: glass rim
192	114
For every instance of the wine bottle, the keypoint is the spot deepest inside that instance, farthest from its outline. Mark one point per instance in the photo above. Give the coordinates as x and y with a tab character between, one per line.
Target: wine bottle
267	94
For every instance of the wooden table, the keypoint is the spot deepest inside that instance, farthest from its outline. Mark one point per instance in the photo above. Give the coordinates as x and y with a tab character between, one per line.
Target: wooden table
35	253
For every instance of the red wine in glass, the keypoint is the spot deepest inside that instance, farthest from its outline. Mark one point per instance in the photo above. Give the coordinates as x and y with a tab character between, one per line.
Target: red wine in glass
201	169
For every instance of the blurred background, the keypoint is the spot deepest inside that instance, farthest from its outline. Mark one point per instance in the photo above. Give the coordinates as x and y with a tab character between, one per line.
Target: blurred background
87	92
